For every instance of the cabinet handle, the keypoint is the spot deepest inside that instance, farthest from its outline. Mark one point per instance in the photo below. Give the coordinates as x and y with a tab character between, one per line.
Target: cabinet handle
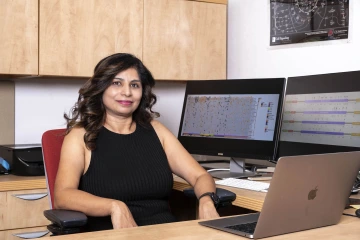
30	196
30	235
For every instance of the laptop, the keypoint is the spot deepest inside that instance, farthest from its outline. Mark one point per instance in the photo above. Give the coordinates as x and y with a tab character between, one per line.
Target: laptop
305	192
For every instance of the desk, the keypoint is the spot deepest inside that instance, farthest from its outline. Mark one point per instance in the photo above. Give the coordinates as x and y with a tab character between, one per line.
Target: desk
351	211
348	228
14	183
244	198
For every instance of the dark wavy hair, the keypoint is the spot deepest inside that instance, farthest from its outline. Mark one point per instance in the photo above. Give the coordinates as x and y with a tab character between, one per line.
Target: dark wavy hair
89	111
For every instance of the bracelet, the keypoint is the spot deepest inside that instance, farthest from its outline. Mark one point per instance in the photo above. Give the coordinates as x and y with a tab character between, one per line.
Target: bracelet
215	198
206	194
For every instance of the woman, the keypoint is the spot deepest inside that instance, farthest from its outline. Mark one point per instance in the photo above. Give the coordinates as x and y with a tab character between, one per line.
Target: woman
121	159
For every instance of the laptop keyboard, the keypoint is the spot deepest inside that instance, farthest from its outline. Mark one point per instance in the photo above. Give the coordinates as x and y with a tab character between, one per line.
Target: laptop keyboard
245	227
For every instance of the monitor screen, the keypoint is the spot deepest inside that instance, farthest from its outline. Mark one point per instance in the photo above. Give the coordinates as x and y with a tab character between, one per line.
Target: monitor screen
233	118
321	114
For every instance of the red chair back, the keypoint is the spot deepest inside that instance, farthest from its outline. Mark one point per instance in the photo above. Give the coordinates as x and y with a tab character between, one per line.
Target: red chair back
51	147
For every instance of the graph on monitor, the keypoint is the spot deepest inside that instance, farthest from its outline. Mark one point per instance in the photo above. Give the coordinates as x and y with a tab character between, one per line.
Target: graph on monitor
328	118
321	114
235	116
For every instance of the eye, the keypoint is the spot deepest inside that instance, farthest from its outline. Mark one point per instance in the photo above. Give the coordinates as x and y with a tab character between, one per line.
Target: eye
135	85
117	83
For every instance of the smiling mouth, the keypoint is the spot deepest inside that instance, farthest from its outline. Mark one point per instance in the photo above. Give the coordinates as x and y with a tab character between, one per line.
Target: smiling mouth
125	103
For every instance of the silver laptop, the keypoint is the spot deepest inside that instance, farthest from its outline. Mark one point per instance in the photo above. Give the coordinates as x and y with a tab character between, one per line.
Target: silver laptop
305	192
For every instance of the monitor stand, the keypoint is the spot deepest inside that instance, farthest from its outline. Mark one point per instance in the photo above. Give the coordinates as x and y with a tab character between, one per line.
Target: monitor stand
237	170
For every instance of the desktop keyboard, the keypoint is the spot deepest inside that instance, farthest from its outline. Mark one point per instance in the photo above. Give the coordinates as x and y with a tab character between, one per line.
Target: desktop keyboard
245	184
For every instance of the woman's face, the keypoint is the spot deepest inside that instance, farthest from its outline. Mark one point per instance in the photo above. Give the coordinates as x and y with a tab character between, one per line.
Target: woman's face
124	94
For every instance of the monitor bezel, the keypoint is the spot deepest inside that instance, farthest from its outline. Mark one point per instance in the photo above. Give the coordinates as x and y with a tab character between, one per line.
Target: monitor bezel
250	149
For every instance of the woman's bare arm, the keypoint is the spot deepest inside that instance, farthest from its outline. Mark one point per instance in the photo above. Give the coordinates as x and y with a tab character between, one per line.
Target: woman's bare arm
185	166
66	193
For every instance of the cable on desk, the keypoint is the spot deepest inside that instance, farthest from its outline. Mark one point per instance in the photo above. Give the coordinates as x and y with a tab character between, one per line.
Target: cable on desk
218	169
238	164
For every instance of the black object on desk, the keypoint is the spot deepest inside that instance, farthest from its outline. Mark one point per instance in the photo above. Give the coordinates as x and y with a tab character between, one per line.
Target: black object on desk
226	197
357	212
210	124
356	186
353	201
24	159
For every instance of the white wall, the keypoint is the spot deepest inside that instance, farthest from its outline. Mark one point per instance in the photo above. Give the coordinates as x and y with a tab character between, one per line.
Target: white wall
170	98
41	103
249	54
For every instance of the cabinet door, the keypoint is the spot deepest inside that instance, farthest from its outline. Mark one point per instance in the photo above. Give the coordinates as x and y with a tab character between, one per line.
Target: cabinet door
23	209
19	37
76	34
185	40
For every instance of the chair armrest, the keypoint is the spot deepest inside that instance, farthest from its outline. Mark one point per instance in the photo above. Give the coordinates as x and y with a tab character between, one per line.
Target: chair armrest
226	197
66	218
357	213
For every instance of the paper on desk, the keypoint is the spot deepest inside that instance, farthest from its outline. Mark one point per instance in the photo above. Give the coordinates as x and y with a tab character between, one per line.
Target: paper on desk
267	170
355	206
260	178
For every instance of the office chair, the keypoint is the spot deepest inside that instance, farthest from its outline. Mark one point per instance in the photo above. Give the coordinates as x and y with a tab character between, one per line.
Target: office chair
63	221
66	221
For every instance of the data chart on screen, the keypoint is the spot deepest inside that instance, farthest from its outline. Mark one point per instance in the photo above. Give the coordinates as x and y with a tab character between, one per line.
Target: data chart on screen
235	116
325	118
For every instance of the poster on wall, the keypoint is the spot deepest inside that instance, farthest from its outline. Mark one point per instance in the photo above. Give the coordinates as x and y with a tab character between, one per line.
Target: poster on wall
300	21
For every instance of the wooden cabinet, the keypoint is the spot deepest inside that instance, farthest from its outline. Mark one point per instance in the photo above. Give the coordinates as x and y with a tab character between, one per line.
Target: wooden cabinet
22	203
185	40
21	209
19	37
176	39
76	34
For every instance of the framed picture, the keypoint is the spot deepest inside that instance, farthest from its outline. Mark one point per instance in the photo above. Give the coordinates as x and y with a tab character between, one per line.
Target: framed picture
300	21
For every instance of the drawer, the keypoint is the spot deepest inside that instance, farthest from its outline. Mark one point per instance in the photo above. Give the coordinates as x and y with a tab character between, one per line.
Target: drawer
23	209
24	233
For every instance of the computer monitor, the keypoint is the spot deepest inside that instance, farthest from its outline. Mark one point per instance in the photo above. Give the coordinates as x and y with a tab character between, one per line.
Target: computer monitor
321	114
239	119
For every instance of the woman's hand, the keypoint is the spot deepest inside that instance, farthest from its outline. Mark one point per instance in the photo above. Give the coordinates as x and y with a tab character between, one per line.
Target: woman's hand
121	216
207	209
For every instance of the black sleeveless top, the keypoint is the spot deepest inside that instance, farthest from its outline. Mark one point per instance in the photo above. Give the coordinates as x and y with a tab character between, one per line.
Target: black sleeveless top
134	169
